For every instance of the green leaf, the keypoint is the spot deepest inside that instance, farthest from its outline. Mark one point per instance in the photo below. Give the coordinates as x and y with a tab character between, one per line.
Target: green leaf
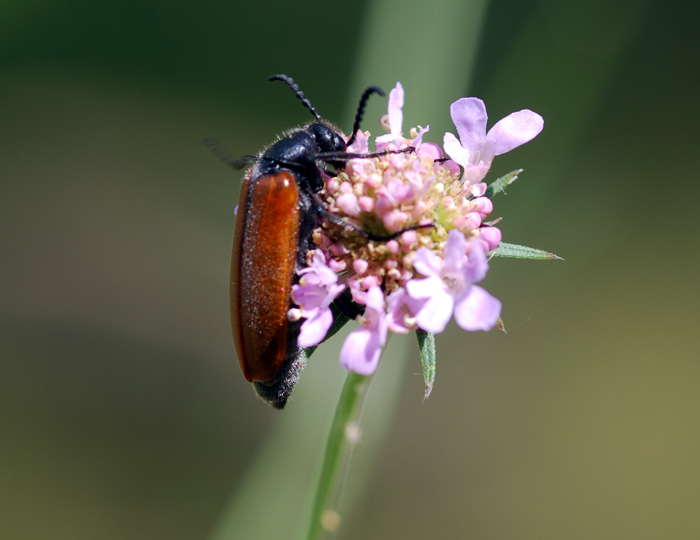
500	185
501	326
515	251
426	343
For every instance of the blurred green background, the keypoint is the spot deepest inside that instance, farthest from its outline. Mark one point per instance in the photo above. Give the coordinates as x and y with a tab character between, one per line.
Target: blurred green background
122	410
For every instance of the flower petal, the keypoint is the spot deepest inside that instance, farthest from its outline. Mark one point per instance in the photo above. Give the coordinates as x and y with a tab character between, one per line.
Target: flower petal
398	312
361	351
375	299
477	310
491	236
478	190
425	288
473	174
454	149
478	265
427	263
469	117
418	141
315	328
510	132
430	149
361	143
437	311
383	139
395	106
455	250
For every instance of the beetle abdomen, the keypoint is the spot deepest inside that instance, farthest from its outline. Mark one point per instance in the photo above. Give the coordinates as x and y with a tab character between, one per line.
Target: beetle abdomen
262	270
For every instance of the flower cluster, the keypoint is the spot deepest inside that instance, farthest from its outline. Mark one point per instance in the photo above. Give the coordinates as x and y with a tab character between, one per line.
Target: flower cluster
411	236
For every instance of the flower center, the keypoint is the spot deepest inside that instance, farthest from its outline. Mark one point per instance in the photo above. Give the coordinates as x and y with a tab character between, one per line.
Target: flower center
453	284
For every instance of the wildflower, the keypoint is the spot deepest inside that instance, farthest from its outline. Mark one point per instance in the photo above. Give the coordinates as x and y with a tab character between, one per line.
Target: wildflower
314	294
409	235
394	121
449	287
361	143
476	149
395	118
363	347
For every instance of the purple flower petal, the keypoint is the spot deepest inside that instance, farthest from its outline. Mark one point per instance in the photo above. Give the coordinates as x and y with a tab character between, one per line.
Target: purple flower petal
469	116
452	166
361	351
424	288
315	328
455	150
361	143
395	112
363	347
510	132
400	310
477	310
478	190
474	174
395	117
418	141
430	149
455	250
375	299
478	265
427	263
491	236
437	311
316	289
349	204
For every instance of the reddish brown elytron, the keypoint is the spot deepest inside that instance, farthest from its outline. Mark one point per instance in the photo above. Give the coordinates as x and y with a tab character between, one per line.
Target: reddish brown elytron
262	269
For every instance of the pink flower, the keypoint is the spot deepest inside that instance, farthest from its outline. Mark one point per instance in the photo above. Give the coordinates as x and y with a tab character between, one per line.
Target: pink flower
476	149
418	141
316	290
395	118
400	310
361	143
449	287
363	347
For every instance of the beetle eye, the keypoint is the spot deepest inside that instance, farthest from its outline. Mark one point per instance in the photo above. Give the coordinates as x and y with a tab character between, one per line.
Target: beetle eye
338	142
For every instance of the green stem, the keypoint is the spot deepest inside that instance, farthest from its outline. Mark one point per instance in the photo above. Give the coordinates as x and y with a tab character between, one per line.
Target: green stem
338	447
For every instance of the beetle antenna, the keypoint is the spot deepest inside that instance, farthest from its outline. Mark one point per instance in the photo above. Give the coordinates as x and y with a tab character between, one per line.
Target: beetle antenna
361	109
295	88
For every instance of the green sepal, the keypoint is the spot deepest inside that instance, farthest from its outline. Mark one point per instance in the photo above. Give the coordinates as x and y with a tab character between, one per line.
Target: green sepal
339	320
500	185
426	344
514	251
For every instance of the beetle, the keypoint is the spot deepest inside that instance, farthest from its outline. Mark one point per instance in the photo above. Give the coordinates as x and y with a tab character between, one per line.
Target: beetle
277	212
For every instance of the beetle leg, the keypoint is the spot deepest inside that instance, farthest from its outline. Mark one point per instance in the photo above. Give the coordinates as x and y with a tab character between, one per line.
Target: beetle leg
357	230
347	307
331	156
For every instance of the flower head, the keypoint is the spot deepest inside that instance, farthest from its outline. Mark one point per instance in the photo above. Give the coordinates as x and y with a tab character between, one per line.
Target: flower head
408	234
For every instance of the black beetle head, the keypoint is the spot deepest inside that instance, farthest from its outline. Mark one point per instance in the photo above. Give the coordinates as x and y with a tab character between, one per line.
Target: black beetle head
327	138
